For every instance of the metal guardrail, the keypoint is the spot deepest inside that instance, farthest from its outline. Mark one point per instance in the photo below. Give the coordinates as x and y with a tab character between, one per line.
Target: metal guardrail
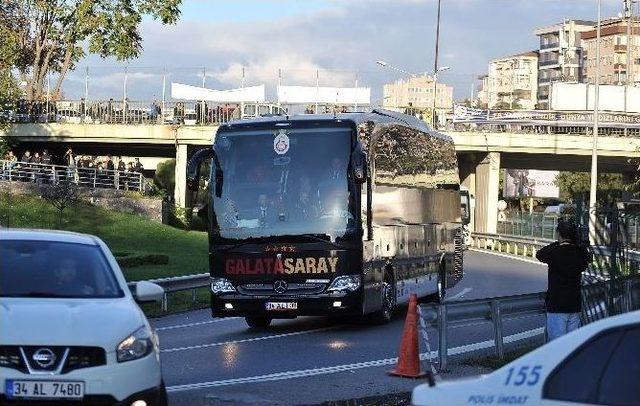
178	284
472	312
509	244
599	300
85	177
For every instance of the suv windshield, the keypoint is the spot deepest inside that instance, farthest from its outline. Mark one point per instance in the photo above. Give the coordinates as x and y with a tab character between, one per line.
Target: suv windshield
55	270
284	182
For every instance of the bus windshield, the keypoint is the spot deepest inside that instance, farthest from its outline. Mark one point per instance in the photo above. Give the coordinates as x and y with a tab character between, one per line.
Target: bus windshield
284	182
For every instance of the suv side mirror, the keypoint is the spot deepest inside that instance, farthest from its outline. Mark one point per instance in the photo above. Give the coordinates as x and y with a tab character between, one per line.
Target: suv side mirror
359	164
148	292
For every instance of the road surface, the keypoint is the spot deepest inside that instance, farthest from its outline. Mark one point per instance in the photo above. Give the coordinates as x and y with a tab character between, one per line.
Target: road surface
310	360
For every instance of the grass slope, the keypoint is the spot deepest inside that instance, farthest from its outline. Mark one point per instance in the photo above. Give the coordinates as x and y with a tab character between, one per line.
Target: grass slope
122	232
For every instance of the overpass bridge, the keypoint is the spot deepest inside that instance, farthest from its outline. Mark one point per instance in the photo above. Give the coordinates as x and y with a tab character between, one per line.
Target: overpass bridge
481	154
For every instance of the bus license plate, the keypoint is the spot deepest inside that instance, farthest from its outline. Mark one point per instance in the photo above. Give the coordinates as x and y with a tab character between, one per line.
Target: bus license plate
45	389
281	306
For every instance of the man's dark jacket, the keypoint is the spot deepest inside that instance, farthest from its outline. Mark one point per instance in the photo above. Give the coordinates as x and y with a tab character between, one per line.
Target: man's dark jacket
566	263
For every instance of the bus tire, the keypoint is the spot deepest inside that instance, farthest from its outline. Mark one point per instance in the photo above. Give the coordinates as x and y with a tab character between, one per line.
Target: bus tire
388	292
257	322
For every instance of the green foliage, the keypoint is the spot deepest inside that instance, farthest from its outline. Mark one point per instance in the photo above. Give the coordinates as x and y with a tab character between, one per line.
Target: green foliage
165	177
576	186
133	260
54	34
187	251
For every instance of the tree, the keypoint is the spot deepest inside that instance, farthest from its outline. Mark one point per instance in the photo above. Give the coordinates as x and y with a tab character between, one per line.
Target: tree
576	186
54	34
165	177
61	195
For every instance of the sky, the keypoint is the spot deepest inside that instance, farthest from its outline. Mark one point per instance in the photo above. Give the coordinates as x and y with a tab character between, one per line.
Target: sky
338	39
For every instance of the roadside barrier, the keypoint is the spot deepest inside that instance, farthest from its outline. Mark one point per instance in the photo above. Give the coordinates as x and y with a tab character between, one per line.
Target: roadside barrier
179	284
599	300
509	244
472	312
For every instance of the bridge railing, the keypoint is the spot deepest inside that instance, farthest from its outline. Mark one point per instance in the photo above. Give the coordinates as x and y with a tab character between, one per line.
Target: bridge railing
84	177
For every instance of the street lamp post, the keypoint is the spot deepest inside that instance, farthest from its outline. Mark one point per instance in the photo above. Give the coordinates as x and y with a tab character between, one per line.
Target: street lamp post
594	149
435	69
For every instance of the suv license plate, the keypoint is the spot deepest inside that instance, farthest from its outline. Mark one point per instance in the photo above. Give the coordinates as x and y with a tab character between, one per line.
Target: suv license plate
281	306
45	389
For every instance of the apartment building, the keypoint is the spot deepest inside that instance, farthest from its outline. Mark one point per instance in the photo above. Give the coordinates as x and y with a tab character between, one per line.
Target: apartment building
614	52
560	55
417	91
512	82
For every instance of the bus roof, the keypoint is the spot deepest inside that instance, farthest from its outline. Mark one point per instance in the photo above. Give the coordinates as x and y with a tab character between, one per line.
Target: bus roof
377	116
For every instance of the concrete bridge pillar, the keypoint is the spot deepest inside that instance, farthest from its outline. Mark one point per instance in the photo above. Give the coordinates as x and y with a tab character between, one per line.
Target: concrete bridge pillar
467	167
180	193
487	189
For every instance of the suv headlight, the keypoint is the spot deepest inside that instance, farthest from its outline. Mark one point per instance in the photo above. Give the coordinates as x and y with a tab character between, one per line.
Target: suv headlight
221	285
348	283
137	345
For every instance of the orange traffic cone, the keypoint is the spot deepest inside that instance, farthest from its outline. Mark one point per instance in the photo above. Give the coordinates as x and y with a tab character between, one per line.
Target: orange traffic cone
408	365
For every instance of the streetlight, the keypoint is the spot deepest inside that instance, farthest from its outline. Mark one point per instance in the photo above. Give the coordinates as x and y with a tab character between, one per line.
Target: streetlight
594	150
435	68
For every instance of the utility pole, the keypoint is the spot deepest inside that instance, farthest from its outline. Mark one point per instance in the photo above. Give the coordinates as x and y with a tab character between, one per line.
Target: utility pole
435	68
594	151
627	13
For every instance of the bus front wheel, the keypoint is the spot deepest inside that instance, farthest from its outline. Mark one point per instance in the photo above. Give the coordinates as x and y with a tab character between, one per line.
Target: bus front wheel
388	292
258	322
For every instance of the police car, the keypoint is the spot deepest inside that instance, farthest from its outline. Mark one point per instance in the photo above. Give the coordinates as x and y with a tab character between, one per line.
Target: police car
598	364
70	330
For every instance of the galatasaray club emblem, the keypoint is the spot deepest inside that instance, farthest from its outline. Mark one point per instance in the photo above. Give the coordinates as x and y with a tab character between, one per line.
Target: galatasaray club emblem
281	143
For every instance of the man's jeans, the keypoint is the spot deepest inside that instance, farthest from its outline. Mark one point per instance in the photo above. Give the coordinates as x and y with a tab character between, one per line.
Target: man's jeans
561	323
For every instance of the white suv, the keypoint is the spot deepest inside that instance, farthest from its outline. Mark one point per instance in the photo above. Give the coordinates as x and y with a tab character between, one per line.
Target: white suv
70	329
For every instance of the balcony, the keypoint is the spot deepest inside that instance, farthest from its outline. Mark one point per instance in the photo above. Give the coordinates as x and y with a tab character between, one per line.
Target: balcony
548	63
550	45
619	67
620	49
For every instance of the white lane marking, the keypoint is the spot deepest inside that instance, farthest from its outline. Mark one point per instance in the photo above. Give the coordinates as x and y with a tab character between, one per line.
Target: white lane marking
460	294
195	324
249	340
499	254
278	376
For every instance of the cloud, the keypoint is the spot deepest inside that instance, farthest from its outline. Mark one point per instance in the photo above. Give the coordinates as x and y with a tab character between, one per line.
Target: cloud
343	39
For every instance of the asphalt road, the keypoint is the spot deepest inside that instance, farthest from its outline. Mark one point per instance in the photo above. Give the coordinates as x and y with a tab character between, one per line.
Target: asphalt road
310	360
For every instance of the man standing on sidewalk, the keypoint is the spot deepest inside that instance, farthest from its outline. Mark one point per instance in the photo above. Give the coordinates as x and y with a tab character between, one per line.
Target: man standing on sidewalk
566	260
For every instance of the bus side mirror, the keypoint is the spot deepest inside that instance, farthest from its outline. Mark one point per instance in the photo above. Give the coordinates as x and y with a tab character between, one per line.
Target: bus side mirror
193	167
359	165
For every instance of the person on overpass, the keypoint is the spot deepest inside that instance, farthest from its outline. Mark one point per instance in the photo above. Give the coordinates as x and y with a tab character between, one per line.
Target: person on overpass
566	261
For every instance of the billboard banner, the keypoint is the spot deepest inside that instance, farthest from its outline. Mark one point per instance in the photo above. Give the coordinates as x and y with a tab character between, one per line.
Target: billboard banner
519	183
324	95
251	94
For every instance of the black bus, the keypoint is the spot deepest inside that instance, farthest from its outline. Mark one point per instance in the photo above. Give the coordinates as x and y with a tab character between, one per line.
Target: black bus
342	214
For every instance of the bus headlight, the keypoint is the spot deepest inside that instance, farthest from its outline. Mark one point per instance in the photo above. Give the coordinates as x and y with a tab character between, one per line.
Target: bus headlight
347	283
221	285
